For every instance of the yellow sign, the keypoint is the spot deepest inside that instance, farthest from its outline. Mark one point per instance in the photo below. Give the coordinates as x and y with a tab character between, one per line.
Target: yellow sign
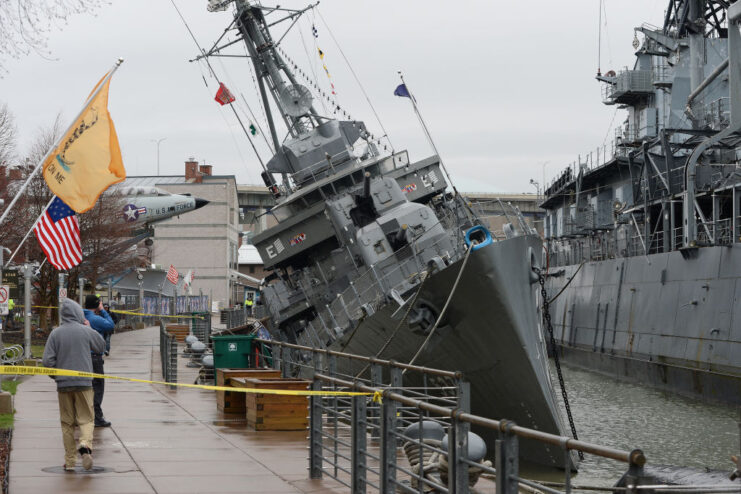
88	158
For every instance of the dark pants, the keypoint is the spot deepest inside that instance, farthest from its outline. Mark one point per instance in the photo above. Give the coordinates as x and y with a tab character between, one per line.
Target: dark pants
98	387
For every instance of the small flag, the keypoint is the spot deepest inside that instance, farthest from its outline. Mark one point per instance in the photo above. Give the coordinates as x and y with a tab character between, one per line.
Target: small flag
223	95
314	31
401	90
88	158
58	233
188	279
321	53
172	275
253	129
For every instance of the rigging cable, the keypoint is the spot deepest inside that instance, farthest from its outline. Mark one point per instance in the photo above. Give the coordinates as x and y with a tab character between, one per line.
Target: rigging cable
396	329
249	138
445	307
311	66
599	40
373	109
259	101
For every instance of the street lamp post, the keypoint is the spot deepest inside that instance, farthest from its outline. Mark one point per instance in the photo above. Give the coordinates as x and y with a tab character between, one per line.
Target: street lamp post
543	182
158	141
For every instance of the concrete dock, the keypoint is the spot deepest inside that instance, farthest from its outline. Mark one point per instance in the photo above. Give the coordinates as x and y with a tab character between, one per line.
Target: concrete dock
162	441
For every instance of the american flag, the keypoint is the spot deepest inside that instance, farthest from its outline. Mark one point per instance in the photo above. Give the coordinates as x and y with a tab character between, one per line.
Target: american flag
172	275
58	233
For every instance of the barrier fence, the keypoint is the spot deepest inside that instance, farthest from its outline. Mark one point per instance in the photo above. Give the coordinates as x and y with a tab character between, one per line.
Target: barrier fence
417	439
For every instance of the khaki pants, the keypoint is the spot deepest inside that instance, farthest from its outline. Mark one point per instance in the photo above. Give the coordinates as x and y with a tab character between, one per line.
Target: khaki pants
76	408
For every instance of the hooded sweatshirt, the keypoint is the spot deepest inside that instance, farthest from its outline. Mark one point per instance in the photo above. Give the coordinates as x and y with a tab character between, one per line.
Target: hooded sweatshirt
70	344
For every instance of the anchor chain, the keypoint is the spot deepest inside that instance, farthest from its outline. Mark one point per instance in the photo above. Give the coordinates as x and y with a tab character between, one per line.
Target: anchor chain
556	360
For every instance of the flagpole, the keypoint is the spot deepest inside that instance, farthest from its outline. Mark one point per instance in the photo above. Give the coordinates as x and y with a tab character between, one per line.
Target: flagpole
59	139
28	233
429	137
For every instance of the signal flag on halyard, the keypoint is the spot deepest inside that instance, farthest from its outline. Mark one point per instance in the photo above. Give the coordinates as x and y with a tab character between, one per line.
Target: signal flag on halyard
58	233
223	95
88	159
172	275
401	90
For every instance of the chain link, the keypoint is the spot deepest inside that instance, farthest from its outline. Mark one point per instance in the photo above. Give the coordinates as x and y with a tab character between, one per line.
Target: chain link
554	349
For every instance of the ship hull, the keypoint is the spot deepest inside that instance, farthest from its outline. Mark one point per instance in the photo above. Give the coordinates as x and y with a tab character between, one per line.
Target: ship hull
490	333
667	320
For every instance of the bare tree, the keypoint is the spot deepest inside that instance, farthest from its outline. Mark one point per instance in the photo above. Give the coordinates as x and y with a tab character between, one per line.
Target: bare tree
25	24
7	136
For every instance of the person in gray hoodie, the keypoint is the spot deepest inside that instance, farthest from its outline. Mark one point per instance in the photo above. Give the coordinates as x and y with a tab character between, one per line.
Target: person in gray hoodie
69	347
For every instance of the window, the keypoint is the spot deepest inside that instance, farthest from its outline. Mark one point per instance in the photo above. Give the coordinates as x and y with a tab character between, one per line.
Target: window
252	269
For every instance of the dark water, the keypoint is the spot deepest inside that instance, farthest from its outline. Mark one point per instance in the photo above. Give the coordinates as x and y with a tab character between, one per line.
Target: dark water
671	430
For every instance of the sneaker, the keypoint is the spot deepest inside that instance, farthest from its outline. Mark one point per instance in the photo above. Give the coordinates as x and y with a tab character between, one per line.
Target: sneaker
87	458
102	423
69	468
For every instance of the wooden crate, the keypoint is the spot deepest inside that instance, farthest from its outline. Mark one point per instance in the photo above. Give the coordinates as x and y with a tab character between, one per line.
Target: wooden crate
180	331
269	412
233	402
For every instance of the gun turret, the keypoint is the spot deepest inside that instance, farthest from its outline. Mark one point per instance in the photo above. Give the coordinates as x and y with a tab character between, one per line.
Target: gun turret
366	185
364	211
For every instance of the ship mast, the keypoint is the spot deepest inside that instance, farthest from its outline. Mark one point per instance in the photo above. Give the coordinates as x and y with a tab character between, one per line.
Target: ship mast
315	146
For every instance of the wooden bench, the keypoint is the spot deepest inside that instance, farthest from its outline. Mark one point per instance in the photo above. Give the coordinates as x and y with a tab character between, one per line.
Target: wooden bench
180	331
271	412
233	402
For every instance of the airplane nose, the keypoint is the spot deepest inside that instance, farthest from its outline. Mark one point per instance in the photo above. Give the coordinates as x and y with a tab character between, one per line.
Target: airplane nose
201	202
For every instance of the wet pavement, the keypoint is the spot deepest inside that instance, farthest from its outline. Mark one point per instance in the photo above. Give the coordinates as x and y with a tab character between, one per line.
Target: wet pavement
162	440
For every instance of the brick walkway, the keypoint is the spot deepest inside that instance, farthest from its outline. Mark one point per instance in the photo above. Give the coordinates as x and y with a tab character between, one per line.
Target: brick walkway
162	441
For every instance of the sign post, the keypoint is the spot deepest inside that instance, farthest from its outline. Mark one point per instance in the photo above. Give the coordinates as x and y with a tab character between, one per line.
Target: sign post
27	274
4	300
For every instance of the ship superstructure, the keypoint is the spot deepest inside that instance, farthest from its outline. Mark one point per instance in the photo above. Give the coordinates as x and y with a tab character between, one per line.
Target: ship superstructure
644	240
369	248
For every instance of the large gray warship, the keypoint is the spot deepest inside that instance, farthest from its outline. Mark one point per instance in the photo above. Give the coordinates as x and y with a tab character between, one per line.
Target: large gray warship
644	260
369	248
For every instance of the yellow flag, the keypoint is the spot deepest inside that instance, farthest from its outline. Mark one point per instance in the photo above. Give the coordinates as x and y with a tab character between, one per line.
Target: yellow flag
88	159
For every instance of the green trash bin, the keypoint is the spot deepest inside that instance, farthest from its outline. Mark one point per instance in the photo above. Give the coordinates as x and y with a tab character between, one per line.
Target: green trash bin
233	351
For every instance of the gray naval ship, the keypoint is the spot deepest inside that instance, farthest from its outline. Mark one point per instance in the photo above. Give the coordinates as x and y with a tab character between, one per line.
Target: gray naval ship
644	260
369	249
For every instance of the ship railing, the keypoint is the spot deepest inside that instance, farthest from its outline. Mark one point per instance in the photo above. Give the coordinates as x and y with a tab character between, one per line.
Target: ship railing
367	292
391	439
319	170
715	114
662	75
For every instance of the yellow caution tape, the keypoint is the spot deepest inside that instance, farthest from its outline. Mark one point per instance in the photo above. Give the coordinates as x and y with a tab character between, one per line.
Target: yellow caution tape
28	370
133	313
377	396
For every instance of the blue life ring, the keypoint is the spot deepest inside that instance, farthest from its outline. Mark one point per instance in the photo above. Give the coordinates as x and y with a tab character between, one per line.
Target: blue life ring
475	229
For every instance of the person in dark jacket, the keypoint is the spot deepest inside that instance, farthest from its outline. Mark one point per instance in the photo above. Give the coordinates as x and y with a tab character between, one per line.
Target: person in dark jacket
107	337
101	322
69	347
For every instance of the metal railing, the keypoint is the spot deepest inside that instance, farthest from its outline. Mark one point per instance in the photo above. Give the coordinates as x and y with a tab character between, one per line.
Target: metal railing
382	447
233	317
168	355
200	326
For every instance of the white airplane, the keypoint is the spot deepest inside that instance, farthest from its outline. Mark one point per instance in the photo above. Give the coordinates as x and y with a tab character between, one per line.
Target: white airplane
146	205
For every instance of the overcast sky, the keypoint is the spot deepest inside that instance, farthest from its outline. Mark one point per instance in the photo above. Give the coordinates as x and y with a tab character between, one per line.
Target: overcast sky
505	86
